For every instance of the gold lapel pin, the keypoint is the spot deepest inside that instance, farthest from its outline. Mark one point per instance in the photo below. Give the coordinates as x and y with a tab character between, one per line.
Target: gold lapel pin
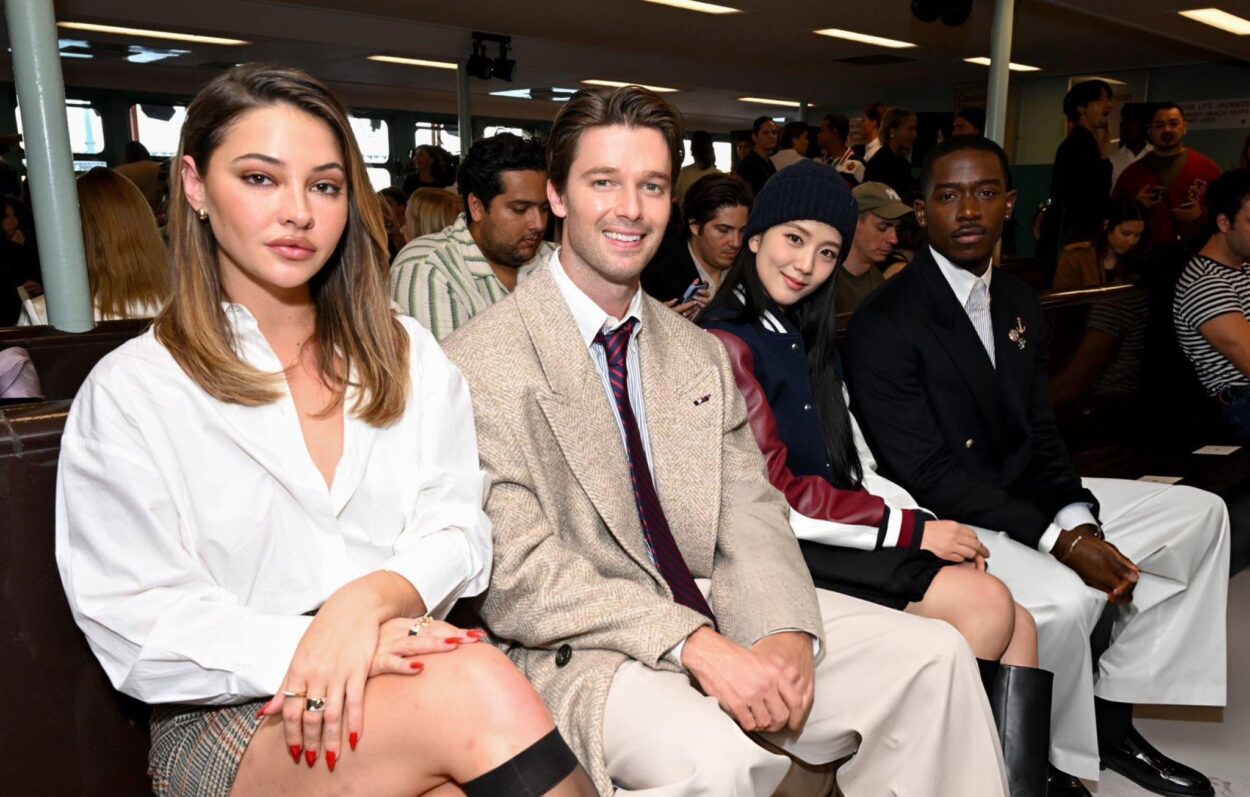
1016	335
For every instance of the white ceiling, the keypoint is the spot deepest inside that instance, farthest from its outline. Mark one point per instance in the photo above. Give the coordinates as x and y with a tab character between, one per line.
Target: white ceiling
769	50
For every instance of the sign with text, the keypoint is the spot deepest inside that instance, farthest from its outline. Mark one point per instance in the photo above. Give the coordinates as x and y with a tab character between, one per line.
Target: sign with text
1217	114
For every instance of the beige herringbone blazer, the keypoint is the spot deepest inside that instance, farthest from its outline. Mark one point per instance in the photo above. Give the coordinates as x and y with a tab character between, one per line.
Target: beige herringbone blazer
571	564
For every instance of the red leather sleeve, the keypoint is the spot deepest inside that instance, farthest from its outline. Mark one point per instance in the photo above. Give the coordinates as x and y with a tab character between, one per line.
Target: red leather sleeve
812	496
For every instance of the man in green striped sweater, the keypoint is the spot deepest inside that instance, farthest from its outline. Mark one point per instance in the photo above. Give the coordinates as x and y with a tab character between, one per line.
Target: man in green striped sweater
445	279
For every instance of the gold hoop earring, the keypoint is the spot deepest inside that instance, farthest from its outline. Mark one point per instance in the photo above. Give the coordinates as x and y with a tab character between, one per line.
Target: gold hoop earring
202	214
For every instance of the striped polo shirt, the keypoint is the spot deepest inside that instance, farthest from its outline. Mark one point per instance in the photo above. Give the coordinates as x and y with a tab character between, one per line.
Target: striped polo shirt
443	280
1205	290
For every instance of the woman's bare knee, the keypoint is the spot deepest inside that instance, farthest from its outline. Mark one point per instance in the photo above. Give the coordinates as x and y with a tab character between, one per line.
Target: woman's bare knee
1022	651
978	605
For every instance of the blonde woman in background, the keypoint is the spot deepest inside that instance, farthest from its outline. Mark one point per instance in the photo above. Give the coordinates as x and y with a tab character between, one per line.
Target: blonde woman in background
127	264
430	210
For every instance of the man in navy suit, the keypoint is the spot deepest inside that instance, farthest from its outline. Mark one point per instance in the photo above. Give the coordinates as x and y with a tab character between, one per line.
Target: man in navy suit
947	370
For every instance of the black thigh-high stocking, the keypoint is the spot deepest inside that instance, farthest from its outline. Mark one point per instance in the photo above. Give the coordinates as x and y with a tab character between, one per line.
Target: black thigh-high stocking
547	767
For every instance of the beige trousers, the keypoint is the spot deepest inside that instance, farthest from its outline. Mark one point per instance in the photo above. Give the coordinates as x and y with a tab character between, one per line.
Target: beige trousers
903	690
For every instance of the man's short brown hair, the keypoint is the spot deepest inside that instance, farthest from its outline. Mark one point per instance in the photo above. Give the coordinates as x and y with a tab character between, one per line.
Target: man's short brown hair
631	106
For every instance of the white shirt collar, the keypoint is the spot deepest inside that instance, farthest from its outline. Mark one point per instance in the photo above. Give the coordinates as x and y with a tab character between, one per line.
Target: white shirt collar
704	274
961	280
591	318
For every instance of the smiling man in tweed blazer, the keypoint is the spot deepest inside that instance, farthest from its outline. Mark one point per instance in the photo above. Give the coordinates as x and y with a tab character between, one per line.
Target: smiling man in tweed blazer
645	577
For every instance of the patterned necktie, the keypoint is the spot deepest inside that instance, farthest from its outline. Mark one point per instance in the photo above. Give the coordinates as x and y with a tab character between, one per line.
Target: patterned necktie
664	551
978	309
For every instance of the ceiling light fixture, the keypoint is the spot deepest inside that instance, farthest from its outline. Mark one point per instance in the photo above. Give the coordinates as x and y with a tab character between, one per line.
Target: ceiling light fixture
395	59
1014	67
616	84
695	5
150	34
863	38
1219	19
766	101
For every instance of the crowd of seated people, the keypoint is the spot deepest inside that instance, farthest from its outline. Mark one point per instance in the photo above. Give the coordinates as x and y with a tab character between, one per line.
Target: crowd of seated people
686	544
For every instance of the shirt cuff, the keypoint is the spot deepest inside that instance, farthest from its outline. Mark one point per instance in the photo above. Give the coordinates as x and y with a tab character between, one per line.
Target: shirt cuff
1051	536
1069	517
270	642
438	567
674	653
1074	515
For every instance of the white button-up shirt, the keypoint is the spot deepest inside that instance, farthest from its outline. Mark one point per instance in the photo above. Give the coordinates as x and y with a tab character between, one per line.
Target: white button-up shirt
961	281
193	535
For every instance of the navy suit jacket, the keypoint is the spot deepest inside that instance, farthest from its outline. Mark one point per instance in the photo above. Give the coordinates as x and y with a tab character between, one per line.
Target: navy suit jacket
972	442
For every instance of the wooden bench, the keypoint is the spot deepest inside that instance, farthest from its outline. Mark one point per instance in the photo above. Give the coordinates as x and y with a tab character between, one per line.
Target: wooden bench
68	731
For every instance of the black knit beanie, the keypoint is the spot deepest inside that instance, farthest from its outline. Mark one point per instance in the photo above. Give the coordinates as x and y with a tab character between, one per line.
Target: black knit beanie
806	191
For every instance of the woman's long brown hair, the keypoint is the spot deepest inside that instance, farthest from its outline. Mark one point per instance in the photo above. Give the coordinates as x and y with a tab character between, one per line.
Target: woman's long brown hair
357	337
126	259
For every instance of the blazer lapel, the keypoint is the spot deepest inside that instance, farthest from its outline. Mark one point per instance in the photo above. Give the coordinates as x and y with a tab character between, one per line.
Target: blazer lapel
577	411
954	331
684	409
1014	359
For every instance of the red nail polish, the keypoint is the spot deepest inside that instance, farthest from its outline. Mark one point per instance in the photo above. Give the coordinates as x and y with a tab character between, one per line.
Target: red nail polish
453	640
353	739
311	757
295	751
477	634
331	759
261	713
418	666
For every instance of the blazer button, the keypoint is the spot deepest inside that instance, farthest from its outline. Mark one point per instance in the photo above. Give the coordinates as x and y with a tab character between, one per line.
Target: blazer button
969	443
563	654
794	347
807	408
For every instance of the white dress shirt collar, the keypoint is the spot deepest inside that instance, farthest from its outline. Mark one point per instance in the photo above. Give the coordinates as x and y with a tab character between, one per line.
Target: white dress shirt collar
961	280
591	318
704	274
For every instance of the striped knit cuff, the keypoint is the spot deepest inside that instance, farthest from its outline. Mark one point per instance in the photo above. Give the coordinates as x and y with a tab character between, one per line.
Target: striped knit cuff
901	528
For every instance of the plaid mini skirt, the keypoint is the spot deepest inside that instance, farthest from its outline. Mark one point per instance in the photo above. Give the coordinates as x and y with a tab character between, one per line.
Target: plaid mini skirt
196	750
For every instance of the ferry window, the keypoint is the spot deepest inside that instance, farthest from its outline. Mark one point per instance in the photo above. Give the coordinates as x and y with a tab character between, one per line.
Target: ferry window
723	150
371	137
437	135
495	130
86	128
157	127
379	177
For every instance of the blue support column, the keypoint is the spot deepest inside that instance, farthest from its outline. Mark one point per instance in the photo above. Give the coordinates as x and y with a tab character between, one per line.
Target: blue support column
49	163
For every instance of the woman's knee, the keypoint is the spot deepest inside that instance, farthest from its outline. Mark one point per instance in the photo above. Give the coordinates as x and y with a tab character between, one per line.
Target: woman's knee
983	611
486	684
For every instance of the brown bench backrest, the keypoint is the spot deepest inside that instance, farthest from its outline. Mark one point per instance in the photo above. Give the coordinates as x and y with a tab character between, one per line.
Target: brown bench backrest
63	359
67	730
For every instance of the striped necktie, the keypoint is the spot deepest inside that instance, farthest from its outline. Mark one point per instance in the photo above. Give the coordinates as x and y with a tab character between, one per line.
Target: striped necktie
978	309
664	551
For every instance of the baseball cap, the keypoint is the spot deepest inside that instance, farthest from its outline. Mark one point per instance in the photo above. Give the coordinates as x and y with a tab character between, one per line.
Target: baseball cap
881	200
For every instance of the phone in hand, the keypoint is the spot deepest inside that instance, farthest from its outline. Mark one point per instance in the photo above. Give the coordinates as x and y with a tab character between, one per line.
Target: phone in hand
696	287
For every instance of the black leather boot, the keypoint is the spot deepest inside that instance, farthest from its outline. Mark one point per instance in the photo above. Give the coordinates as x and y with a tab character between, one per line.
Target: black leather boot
1020	700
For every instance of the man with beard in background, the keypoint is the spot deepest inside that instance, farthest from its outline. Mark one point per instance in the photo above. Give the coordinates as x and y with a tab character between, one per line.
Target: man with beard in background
445	279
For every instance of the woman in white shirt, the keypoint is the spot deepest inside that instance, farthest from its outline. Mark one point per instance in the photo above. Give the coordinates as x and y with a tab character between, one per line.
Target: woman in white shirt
265	501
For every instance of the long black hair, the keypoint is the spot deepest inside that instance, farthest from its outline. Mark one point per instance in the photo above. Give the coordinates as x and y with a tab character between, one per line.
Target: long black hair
742	298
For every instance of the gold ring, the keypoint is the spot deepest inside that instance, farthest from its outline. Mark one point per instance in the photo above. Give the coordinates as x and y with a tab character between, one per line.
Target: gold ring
421	622
315	704
294	694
